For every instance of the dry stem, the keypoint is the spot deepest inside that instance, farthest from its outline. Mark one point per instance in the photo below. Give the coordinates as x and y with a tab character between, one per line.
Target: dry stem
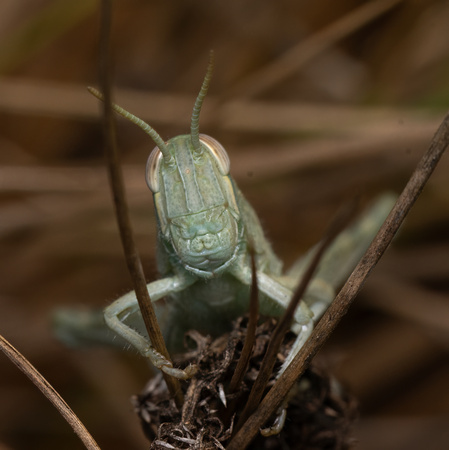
121	208
49	391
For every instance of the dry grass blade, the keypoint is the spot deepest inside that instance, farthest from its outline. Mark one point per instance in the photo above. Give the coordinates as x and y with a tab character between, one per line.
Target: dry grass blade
349	291
302	53
47	389
121	208
337	225
26	96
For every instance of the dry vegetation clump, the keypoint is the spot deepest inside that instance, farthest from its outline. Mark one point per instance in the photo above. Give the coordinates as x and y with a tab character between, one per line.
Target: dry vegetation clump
320	413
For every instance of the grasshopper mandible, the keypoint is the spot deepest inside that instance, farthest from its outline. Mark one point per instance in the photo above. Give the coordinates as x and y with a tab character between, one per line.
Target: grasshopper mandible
206	231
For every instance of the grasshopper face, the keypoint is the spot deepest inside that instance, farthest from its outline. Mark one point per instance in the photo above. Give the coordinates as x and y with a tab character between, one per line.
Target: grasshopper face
195	203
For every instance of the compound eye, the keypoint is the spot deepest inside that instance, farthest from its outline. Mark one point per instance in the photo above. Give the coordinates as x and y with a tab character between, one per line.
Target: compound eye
152	170
218	152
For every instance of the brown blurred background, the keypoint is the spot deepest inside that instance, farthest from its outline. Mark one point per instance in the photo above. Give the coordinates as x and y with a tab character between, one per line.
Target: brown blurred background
314	101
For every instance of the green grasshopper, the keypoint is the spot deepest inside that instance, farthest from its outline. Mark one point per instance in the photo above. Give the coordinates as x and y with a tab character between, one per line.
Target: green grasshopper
206	232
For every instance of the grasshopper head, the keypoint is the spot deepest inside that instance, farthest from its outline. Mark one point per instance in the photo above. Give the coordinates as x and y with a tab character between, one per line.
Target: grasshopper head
195	203
194	198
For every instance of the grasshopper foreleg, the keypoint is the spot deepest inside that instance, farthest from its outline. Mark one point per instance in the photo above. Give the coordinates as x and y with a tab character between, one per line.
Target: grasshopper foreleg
116	314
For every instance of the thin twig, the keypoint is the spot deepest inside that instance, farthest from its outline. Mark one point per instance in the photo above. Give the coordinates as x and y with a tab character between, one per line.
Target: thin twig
49	391
346	296
121	208
250	337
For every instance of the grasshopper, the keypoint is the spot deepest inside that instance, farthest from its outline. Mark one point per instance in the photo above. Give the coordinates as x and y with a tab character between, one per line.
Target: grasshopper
206	231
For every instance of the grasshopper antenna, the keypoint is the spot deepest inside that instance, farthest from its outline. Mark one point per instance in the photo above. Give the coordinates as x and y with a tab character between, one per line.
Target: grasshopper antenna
139	122
195	123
